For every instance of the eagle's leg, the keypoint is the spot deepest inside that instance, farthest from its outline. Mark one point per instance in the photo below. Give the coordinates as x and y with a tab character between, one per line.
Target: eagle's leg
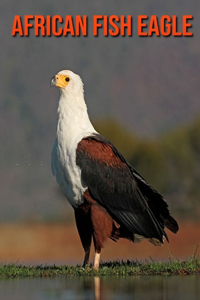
102	230
96	259
86	258
101	225
84	226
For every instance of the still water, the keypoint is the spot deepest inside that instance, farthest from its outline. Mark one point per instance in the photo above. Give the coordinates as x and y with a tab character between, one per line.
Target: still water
125	288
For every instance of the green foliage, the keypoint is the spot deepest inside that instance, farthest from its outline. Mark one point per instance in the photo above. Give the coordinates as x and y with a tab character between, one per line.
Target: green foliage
148	159
123	140
113	268
181	150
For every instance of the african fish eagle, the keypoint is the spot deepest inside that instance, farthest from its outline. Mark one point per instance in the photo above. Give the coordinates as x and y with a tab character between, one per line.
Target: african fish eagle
109	197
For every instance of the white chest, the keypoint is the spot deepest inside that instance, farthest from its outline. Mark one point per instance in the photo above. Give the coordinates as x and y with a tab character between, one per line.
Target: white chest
65	169
73	126
67	173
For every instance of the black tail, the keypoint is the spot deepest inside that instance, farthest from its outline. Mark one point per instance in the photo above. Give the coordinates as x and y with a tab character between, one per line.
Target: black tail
156	202
171	224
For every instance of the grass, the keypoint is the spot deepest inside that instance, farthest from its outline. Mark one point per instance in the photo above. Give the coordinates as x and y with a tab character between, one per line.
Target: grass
128	268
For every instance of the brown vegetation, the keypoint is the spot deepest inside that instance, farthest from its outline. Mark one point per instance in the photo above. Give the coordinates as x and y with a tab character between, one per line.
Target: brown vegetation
60	243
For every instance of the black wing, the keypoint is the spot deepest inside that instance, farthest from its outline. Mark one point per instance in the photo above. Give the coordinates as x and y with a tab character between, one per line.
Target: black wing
121	190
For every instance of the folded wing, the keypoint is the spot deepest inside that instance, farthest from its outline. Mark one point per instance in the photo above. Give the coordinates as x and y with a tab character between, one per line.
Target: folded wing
118	187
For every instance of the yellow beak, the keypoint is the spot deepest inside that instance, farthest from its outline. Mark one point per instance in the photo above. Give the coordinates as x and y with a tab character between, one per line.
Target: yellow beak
59	81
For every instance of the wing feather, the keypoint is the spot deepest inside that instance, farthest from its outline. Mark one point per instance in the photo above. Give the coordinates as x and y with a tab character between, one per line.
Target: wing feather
120	189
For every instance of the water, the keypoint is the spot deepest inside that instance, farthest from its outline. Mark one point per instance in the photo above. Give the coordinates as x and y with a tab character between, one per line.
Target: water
112	288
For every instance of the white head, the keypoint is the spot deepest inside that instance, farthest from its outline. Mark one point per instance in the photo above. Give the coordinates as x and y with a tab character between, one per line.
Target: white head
73	118
68	83
71	103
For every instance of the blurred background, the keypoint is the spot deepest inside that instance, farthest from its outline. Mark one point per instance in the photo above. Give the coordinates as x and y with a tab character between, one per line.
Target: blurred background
142	94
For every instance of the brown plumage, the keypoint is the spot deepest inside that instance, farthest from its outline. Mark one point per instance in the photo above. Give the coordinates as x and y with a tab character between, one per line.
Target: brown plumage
93	221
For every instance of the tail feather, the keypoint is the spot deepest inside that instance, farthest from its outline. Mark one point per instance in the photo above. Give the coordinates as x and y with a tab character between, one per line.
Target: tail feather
171	224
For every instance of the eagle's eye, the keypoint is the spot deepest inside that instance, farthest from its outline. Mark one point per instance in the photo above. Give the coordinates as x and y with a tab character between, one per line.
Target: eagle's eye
67	79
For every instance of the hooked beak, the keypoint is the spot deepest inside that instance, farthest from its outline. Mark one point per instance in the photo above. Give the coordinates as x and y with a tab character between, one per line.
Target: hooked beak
53	81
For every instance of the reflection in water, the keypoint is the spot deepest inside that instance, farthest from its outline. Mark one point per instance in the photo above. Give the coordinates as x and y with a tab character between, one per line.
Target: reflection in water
97	292
104	288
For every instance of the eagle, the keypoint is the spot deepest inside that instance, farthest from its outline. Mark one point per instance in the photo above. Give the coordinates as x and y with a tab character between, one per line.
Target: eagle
109	197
